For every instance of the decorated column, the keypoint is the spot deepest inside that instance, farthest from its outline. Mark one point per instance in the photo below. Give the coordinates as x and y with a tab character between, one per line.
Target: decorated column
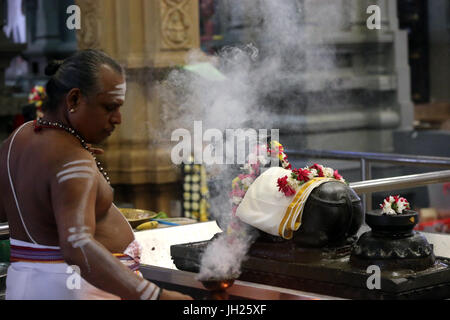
148	37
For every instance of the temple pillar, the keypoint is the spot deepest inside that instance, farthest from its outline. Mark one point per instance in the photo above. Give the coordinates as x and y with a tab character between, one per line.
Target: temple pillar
148	37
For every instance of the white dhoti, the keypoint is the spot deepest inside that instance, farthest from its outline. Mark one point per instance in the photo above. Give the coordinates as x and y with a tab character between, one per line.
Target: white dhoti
50	280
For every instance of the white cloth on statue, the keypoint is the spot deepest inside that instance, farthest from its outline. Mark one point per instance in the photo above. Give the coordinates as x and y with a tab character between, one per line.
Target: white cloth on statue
266	208
263	206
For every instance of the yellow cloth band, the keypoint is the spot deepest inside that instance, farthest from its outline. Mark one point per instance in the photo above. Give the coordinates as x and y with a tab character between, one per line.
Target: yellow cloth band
293	216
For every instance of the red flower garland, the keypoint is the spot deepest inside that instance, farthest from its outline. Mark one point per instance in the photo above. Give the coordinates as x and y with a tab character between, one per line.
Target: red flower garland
301	175
318	168
336	175
283	186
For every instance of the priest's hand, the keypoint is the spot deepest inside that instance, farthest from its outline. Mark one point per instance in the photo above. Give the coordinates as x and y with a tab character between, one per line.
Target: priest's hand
94	149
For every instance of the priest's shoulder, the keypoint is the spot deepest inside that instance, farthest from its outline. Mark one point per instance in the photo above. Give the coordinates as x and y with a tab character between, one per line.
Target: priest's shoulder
60	154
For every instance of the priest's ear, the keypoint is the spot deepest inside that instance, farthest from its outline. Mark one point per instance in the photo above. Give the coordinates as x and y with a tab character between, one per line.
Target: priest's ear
73	99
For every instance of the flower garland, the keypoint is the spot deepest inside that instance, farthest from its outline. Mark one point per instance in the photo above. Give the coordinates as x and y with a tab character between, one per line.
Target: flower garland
36	97
252	169
276	148
394	205
289	185
262	155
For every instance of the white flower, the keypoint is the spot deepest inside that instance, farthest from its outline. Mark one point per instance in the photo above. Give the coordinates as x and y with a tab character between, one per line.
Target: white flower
293	183
314	173
248	168
399	203
246	182
401	206
387	209
237	200
285	164
328	172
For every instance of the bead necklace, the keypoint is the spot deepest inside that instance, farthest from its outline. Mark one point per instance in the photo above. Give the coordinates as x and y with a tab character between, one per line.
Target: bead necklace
40	123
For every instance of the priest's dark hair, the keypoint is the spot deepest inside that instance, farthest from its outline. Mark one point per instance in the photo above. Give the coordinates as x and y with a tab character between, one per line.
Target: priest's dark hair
80	71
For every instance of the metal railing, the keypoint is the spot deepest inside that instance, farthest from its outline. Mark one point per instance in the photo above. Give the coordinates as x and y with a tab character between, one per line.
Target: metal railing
367	186
395	183
4	229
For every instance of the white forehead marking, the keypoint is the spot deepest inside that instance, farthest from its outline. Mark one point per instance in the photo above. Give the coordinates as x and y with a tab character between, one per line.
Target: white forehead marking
77	162
120	91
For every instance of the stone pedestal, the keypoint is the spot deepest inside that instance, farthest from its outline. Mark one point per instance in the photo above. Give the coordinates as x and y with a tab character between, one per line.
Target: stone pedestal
148	37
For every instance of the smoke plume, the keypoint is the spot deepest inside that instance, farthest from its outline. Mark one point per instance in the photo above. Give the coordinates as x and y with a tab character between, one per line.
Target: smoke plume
253	89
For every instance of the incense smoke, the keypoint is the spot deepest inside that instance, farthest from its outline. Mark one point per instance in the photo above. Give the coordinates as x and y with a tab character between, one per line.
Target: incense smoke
223	257
254	92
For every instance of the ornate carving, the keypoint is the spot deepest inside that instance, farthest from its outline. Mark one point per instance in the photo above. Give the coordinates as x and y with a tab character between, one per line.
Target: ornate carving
175	2
89	34
175	24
